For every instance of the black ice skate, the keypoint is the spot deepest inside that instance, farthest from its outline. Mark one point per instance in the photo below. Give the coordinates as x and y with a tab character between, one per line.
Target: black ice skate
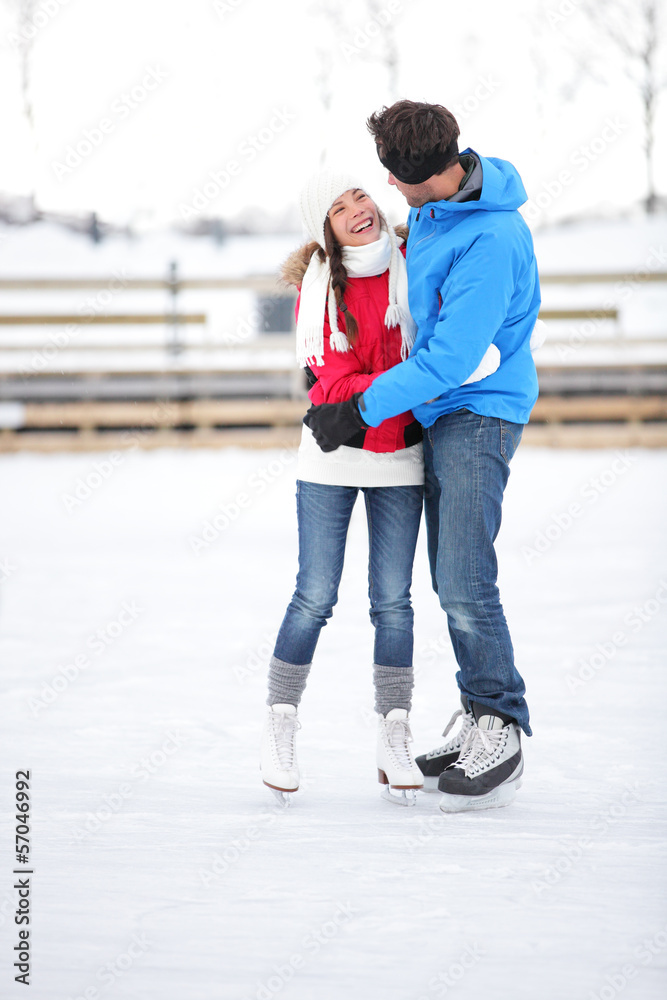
488	771
432	764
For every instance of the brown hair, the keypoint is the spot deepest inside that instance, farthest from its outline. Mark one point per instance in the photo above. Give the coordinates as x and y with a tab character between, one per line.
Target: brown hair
334	252
414	128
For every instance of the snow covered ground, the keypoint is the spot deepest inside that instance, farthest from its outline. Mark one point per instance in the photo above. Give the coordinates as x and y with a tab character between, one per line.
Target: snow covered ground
133	683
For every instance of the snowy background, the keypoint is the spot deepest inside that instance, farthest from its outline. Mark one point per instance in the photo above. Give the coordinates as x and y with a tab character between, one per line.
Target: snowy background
166	93
134	659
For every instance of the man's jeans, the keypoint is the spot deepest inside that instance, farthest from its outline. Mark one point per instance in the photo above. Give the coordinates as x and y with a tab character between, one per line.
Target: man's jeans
467	466
393	514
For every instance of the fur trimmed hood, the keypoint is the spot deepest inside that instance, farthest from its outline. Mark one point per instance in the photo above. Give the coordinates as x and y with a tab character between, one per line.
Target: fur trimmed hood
296	265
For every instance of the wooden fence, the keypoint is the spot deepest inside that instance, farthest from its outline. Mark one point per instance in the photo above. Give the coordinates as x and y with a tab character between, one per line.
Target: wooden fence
179	393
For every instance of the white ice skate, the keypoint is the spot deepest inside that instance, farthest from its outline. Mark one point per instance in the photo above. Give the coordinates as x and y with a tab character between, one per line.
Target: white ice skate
397	769
279	767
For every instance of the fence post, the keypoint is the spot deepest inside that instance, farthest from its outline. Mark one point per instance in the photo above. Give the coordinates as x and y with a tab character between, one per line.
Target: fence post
174	346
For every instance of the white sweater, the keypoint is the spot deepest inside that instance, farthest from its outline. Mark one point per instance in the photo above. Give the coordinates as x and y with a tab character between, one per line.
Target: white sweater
358	467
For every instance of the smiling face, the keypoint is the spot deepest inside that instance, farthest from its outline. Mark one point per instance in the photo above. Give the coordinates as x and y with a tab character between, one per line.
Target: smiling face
354	219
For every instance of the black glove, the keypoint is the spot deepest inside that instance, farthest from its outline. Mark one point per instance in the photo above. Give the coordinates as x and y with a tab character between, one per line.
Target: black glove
333	424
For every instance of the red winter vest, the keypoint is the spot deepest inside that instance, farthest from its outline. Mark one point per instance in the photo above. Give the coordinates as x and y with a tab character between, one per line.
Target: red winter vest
377	348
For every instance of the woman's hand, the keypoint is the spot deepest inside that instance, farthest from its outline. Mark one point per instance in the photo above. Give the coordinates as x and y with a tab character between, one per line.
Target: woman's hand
332	424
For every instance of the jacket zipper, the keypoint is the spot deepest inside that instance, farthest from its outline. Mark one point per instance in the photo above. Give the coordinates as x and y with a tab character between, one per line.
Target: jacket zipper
422	240
383	327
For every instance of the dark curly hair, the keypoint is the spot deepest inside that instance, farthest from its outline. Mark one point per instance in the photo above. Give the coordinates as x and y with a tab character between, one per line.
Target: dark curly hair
413	128
334	252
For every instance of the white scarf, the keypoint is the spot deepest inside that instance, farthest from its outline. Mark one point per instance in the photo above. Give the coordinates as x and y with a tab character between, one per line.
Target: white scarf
317	291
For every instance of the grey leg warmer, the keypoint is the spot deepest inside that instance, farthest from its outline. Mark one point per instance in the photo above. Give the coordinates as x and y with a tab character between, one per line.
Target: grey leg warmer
287	682
393	687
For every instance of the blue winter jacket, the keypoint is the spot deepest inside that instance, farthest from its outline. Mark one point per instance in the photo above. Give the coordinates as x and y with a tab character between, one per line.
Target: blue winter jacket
472	282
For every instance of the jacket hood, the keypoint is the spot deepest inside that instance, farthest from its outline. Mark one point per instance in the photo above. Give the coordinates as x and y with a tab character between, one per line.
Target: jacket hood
296	265
502	189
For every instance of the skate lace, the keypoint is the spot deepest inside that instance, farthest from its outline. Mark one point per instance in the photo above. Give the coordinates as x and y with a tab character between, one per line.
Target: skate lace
397	738
458	741
481	749
283	731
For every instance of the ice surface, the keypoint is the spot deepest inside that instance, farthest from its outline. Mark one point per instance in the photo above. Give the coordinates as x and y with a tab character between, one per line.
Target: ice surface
164	871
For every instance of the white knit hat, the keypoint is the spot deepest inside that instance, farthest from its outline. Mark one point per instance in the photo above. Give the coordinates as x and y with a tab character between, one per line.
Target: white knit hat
317	197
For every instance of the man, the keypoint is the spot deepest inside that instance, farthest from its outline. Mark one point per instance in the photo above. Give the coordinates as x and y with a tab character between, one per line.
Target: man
473	281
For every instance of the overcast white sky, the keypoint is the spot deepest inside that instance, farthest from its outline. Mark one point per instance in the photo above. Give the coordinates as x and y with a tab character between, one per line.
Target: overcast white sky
229	74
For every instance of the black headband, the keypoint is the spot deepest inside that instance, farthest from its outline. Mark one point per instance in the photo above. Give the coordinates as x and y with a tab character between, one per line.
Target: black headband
417	168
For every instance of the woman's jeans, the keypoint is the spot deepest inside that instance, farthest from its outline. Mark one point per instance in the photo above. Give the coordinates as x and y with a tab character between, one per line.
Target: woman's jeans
393	514
466	458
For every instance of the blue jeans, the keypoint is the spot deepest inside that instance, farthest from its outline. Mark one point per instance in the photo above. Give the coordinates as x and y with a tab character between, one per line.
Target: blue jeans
323	512
466	459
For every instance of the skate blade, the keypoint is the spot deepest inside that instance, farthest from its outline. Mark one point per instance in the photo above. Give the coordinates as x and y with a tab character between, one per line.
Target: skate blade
501	796
283	795
400	797
284	798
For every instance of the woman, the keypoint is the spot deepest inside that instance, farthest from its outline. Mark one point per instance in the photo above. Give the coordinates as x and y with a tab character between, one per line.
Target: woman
353	323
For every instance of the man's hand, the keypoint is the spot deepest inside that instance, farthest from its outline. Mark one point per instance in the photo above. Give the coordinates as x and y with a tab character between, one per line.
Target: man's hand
333	424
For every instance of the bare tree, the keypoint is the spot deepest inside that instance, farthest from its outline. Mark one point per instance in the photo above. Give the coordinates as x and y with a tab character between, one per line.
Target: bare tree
351	32
390	54
23	40
637	31
330	10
